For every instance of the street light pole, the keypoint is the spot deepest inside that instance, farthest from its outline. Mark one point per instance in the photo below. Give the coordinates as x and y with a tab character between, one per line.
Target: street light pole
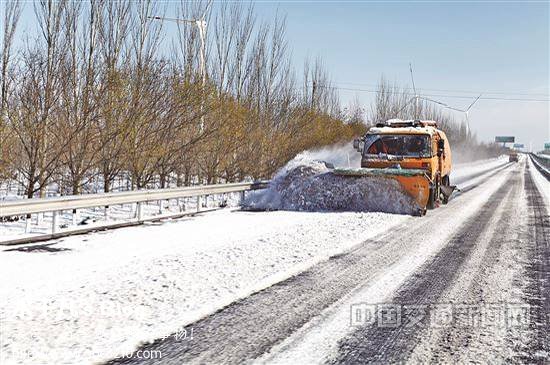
201	26
468	113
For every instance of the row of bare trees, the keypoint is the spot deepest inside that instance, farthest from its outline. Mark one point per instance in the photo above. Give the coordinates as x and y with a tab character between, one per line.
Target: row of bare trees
103	90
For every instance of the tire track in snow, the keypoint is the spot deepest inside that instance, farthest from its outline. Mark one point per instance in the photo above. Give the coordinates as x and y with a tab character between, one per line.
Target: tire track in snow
464	179
488	283
374	344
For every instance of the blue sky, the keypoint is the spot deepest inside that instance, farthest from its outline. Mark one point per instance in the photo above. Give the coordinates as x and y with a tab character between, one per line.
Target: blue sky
472	46
489	47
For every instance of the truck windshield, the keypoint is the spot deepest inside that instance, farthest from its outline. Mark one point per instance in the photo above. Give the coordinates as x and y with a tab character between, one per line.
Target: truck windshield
407	145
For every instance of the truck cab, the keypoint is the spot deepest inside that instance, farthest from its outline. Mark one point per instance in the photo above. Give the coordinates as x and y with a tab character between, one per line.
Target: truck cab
410	145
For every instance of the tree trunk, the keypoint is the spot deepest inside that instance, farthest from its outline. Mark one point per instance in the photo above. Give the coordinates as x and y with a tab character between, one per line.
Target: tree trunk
76	186
106	183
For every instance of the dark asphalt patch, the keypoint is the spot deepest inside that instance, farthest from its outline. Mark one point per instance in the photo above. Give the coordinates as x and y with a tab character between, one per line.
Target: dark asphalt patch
538	272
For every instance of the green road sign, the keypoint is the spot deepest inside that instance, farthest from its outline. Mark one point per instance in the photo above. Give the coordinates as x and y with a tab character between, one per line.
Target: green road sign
504	139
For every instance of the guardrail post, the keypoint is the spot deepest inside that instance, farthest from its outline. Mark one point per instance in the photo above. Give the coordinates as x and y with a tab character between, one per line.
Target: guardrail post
28	221
75	217
139	208
243	196
55	218
198	203
160	206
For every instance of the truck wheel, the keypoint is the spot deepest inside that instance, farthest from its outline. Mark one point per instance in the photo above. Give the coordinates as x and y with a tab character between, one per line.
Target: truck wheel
445	182
432	198
419	212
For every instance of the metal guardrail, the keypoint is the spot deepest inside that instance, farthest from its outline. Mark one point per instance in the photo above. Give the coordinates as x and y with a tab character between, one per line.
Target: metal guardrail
69	202
540	165
74	202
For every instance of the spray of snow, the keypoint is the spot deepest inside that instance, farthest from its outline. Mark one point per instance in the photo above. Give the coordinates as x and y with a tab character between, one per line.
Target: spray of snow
306	184
338	155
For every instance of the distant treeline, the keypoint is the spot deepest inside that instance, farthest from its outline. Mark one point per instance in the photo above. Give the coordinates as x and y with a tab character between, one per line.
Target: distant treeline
94	94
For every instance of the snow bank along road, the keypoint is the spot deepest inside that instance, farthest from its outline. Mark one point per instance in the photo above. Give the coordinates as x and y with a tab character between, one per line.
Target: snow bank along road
466	282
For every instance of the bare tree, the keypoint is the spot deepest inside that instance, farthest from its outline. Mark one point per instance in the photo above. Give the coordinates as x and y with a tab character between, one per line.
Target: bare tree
233	27
146	93
38	97
112	101
11	14
319	93
79	93
391	101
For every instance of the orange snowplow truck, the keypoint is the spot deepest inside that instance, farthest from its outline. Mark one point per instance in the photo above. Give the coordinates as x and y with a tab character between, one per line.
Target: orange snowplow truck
415	153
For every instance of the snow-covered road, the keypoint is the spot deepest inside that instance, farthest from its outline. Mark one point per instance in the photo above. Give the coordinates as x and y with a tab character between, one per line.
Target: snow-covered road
92	298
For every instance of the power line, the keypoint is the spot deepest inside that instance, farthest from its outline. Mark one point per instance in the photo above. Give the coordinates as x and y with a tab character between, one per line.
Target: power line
455	91
435	95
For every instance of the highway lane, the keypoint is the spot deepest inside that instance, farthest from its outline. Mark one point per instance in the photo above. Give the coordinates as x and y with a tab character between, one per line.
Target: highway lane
475	275
491	239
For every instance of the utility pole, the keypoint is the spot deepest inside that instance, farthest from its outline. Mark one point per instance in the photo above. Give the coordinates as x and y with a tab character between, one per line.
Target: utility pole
416	97
201	26
467	112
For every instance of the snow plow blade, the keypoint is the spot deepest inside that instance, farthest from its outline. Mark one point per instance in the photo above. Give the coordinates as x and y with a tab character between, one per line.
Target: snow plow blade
413	181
